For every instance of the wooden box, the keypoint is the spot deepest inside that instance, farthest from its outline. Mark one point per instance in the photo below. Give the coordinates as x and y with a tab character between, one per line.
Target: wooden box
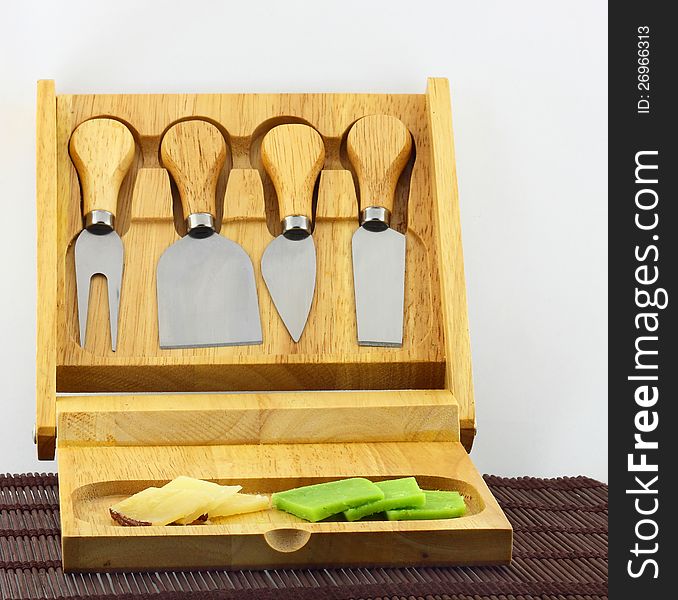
275	415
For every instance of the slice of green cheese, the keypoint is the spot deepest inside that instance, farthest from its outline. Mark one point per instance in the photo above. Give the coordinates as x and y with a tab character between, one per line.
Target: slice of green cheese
439	505
322	500
398	493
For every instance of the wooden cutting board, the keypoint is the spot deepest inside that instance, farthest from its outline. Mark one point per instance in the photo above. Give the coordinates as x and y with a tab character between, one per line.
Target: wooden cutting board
269	416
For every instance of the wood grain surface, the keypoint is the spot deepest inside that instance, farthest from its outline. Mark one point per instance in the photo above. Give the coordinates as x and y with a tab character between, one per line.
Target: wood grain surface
293	156
458	372
379	147
102	151
194	152
100	476
271	418
327	356
46	289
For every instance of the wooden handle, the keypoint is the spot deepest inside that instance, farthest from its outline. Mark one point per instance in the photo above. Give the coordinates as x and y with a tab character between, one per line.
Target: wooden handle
194	153
102	151
379	147
293	156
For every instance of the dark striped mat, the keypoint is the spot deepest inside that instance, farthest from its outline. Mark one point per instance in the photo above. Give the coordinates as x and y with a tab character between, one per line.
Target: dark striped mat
560	551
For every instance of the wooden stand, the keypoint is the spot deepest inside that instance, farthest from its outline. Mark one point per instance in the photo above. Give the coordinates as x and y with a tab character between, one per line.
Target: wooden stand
411	411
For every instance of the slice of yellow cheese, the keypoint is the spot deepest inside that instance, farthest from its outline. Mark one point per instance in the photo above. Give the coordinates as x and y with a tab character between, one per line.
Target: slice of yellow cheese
160	506
217	494
239	504
185	500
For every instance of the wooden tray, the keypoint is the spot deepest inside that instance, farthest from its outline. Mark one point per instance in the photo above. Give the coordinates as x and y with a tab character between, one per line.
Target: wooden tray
295	428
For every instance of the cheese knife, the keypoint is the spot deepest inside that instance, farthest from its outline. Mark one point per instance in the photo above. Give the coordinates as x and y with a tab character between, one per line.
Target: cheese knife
378	147
292	156
102	151
207	294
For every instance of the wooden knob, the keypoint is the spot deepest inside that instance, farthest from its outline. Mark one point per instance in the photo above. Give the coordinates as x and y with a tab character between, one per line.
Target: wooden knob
379	147
102	151
293	156
194	153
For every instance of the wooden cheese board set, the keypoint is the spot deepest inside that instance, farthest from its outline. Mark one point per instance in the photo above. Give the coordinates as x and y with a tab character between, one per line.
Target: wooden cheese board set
277	299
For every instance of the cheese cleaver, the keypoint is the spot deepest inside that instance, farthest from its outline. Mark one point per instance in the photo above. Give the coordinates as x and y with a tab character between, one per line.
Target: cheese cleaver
378	147
207	294
292	156
102	151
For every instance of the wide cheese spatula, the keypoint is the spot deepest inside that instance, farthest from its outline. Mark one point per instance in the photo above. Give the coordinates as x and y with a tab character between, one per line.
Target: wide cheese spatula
207	294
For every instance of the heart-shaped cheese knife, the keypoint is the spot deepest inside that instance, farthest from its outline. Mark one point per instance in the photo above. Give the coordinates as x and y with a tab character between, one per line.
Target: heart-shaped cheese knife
293	156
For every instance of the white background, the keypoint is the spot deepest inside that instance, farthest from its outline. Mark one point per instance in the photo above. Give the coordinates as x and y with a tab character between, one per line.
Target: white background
529	96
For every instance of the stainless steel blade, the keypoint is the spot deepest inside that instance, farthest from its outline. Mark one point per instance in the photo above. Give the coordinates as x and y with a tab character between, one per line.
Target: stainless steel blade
379	280
207	295
98	255
288	268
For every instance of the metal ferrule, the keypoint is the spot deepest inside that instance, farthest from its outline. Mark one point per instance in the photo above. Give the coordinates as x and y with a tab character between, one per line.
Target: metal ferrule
375	218
200	224
99	221
296	227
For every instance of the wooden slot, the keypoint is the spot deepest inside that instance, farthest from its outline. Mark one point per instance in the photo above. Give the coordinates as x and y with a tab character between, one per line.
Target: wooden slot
325	357
91	502
92	541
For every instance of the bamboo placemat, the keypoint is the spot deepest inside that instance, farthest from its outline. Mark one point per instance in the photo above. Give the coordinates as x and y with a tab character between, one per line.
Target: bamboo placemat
560	551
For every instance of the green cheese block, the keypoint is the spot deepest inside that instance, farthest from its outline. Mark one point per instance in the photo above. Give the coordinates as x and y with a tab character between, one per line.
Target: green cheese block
322	500
398	493
439	505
